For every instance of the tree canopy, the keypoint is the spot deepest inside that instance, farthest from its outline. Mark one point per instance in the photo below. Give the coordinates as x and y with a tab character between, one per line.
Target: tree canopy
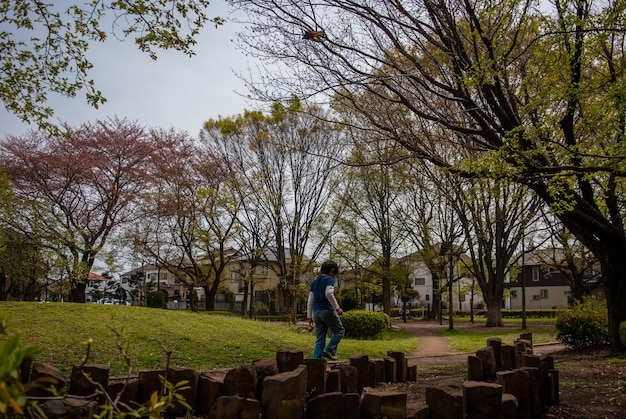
44	45
535	88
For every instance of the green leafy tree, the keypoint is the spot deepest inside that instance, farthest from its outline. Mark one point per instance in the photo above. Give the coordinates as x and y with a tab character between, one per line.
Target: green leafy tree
45	45
284	161
536	89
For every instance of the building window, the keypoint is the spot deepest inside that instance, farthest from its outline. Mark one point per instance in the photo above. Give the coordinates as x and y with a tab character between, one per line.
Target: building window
420	281
427	297
513	293
544	293
260	270
535	273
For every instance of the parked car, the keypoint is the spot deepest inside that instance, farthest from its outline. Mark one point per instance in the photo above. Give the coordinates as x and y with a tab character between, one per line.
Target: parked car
108	300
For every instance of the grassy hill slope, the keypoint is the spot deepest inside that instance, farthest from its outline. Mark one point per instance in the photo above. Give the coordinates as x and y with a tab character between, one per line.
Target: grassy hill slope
196	340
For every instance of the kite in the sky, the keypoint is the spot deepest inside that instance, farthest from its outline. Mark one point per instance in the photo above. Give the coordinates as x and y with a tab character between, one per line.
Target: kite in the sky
317	36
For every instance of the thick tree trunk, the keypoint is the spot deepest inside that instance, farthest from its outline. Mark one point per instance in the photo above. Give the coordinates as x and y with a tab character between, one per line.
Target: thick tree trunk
210	298
494	313
193	299
387	295
614	276
77	294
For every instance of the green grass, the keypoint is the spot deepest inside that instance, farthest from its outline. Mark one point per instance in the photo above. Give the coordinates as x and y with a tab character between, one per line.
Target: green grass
472	340
196	340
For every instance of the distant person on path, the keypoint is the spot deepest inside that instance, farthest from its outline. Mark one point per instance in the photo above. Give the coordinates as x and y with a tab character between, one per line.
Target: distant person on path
323	310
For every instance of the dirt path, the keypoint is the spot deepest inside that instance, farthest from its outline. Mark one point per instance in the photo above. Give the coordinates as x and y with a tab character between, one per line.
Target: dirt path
433	350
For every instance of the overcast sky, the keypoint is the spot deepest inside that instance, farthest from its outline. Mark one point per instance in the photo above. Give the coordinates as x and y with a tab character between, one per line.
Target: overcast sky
173	91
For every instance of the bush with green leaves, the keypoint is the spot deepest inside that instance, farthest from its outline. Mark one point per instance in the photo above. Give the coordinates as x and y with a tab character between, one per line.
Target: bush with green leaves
584	325
365	324
348	298
157	299
13	399
622	333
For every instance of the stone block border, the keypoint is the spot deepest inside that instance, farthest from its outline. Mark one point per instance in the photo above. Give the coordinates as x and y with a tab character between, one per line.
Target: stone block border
503	382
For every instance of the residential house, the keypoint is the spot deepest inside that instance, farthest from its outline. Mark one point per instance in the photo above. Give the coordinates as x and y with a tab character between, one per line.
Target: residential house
545	286
422	280
258	279
151	277
101	289
256	282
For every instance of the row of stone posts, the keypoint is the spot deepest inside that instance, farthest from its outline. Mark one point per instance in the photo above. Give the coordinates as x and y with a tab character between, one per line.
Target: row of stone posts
288	386
503	381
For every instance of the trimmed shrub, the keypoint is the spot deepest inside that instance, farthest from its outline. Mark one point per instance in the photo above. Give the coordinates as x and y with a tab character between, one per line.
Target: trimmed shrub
622	333
363	324
584	325
157	299
395	311
348	298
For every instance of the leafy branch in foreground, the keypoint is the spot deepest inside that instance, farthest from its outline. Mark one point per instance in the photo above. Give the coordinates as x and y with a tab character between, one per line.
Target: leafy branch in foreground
168	397
44	46
12	391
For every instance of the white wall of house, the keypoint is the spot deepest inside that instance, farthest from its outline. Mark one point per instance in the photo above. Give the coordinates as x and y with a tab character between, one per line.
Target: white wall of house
540	298
422	280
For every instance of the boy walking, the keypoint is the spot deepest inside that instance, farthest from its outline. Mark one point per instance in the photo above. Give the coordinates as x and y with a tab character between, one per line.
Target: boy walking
324	311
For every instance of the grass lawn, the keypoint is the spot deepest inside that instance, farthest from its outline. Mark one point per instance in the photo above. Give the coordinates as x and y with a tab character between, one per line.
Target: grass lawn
196	340
470	340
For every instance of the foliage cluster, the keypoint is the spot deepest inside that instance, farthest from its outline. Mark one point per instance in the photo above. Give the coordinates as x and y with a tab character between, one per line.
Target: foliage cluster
157	299
348	298
622	333
12	391
584	325
365	324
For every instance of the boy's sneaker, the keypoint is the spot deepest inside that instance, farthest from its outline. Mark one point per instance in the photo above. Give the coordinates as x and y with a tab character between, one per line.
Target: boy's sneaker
330	356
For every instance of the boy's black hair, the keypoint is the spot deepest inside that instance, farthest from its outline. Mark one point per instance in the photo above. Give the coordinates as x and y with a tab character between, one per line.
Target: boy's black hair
328	267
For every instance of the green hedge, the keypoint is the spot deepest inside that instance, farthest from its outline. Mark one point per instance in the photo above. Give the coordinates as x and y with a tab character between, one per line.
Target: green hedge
365	324
622	333
584	325
508	314
220	313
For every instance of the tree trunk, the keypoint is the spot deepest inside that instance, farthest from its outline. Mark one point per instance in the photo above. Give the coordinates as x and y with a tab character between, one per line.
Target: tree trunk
77	293
251	311
210	298
387	295
434	313
450	308
494	313
614	277
4	289
244	303
193	299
